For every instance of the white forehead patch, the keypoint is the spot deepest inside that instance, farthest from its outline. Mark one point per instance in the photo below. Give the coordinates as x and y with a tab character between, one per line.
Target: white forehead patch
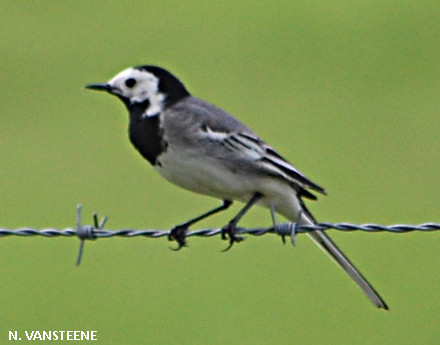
146	87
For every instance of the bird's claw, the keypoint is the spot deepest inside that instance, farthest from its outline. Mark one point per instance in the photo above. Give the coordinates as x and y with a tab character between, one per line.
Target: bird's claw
178	234
229	231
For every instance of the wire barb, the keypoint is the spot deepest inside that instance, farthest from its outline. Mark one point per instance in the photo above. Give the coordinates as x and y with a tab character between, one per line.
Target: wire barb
86	232
95	231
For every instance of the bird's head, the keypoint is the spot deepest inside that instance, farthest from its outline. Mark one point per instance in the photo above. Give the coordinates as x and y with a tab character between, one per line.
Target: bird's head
150	88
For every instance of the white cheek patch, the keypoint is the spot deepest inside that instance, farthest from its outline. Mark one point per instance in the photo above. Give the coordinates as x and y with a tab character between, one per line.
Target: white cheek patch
157	102
146	88
139	97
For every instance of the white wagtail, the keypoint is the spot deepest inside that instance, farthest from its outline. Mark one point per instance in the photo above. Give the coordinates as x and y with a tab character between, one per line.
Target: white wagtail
202	148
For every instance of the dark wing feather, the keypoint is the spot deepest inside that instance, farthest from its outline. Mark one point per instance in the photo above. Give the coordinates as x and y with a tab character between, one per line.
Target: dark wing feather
240	137
274	160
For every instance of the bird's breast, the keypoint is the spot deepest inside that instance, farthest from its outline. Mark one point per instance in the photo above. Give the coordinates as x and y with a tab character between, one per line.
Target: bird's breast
204	175
147	137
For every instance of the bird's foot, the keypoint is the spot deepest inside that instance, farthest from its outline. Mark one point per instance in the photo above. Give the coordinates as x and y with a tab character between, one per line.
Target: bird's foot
229	231
178	234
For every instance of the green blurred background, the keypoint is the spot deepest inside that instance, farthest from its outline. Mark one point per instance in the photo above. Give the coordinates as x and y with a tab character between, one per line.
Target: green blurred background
348	91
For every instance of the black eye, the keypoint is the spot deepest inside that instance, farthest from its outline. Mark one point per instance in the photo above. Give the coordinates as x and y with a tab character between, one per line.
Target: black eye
130	82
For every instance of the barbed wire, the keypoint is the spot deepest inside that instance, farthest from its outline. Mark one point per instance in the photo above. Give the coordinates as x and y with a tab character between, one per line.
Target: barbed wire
95	231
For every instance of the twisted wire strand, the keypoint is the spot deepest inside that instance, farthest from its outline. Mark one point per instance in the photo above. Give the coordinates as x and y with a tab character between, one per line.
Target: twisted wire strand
93	232
282	229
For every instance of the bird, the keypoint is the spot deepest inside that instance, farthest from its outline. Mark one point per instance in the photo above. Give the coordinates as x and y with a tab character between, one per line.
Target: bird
202	148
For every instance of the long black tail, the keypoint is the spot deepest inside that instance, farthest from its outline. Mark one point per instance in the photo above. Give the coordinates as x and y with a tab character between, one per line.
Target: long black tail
330	248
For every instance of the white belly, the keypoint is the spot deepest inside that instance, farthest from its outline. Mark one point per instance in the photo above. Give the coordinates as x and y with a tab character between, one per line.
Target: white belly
208	177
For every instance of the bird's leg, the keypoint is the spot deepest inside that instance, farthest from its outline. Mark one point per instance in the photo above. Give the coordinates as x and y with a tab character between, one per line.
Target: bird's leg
230	229
178	232
275	222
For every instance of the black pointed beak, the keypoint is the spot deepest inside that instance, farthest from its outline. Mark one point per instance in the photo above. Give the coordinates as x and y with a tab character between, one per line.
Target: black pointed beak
100	87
